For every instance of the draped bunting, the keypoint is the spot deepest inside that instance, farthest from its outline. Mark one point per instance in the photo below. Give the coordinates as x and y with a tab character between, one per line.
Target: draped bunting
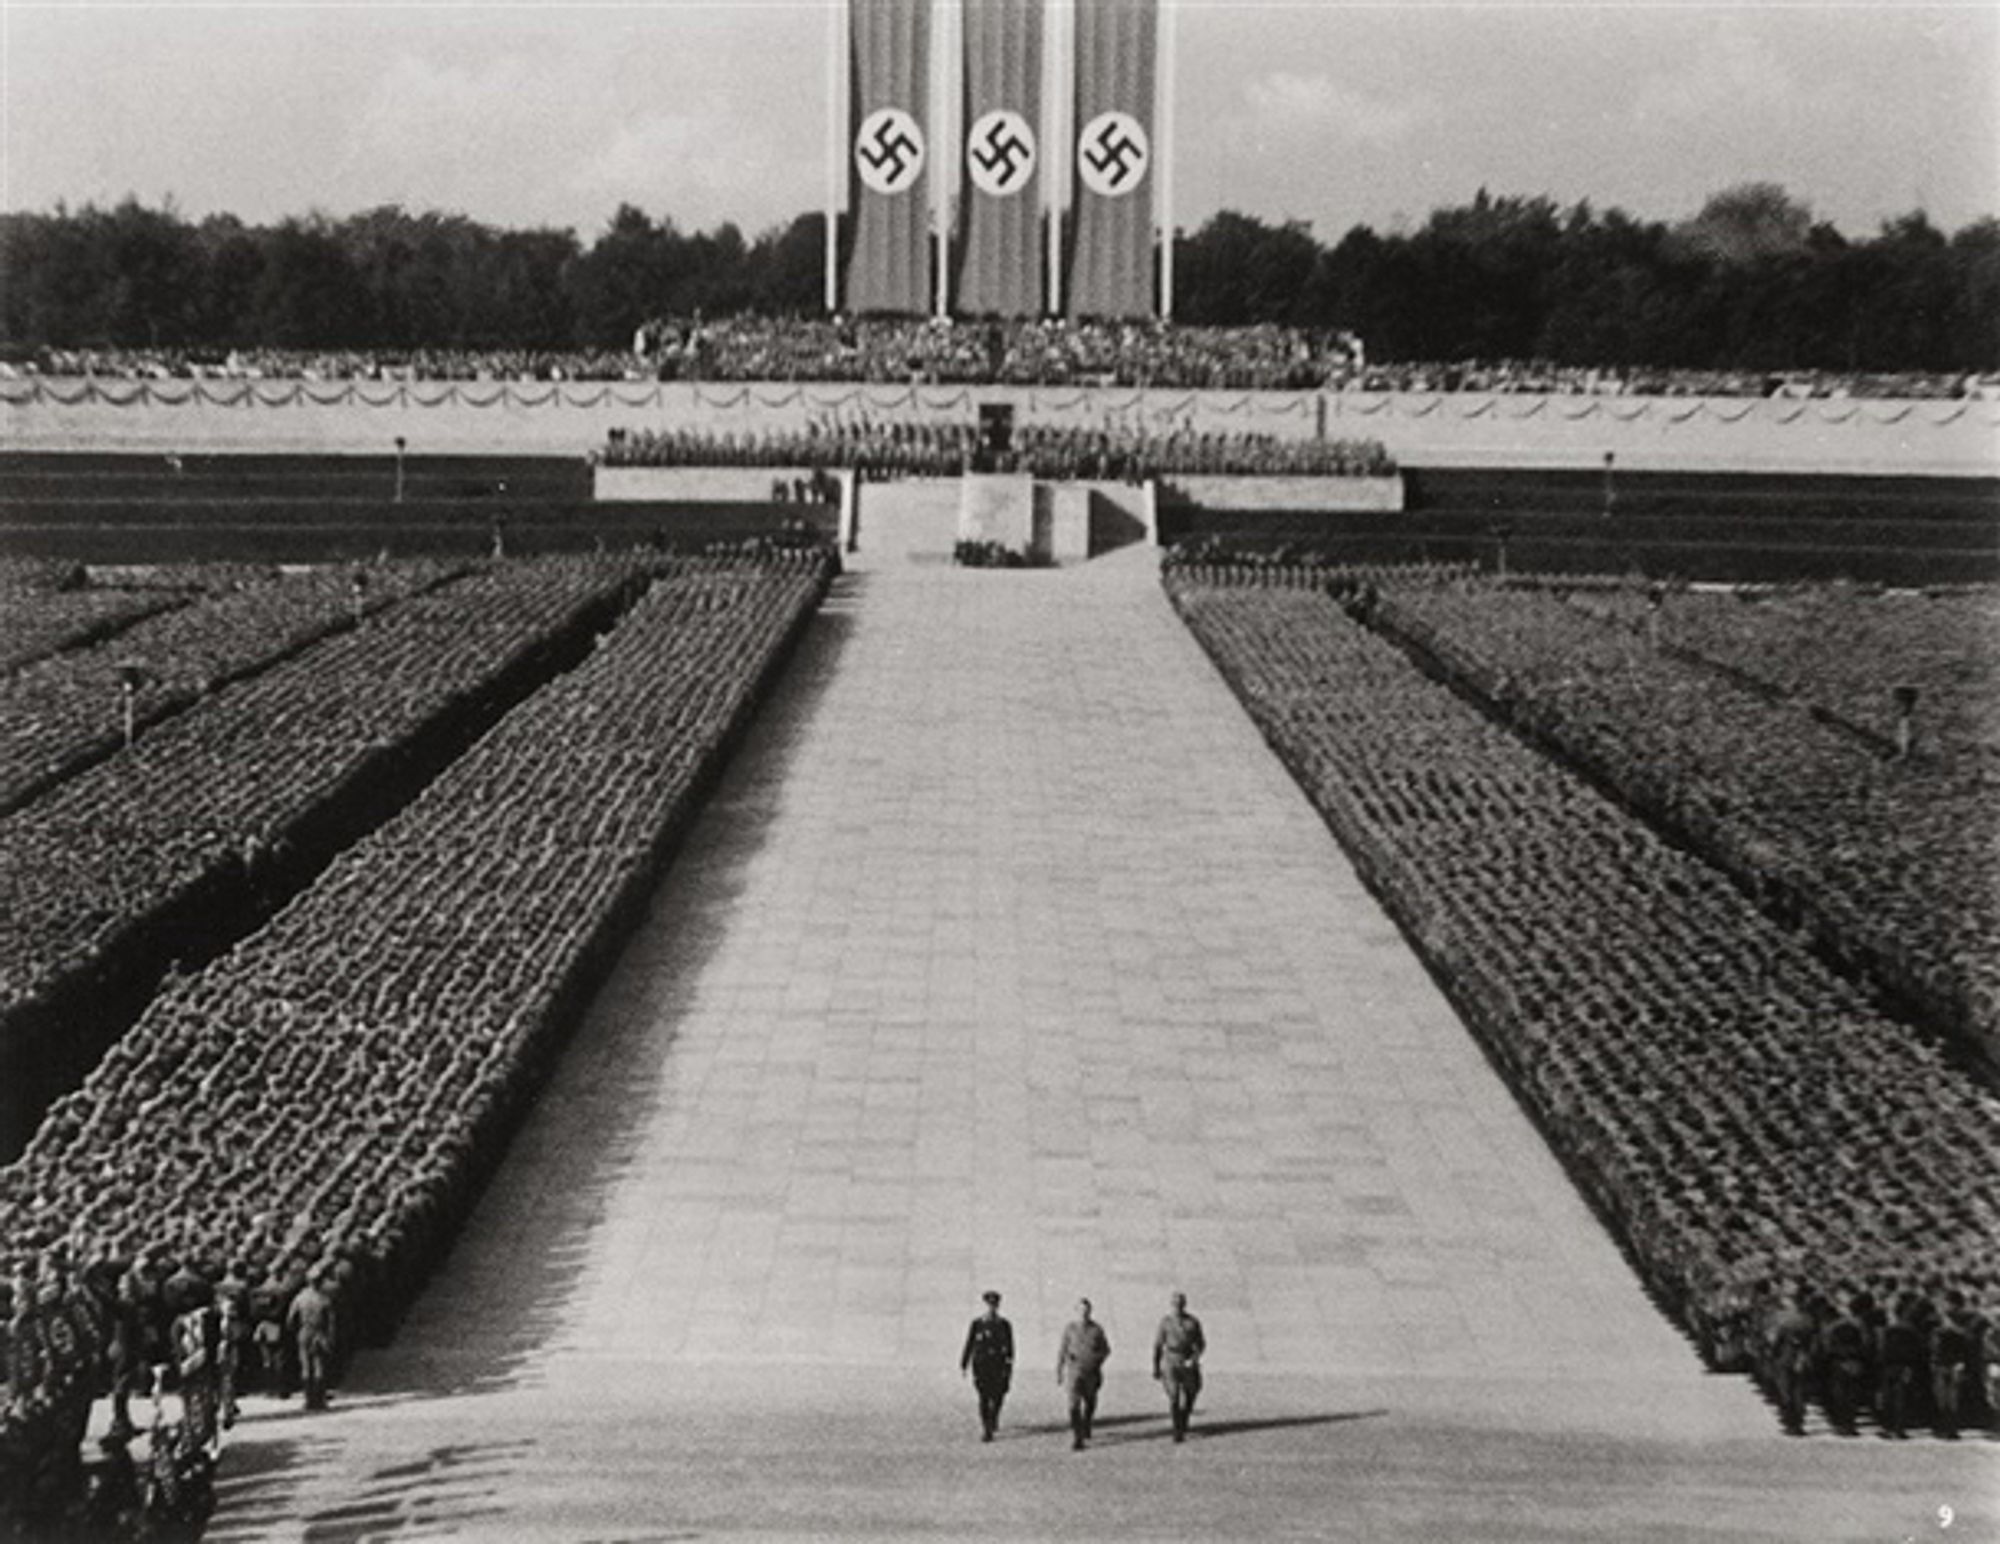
483	396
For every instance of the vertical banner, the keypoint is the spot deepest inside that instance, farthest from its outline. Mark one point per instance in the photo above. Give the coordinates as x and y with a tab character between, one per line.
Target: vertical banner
1111	217
888	265
999	237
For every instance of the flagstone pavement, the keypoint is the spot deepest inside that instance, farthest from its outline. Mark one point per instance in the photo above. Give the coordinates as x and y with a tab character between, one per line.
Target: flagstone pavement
1007	956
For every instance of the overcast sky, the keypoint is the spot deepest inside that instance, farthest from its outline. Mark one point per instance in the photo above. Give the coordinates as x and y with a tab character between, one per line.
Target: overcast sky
544	112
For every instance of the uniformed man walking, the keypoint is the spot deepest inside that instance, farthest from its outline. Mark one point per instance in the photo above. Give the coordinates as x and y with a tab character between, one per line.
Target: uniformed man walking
1080	1370
1177	1349
988	1357
311	1320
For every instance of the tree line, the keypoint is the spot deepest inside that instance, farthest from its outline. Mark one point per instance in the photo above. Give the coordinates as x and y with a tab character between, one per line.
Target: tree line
1751	281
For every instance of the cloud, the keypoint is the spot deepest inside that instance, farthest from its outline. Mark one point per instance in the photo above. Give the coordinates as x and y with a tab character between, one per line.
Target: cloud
709	157
1284	106
1732	76
514	136
456	134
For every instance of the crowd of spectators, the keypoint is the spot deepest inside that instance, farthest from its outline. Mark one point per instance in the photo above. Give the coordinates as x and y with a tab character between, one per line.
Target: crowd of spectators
274	364
1541	377
883	450
881	351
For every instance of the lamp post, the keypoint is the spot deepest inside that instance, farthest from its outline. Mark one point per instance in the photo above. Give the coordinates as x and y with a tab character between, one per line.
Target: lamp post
130	678
401	445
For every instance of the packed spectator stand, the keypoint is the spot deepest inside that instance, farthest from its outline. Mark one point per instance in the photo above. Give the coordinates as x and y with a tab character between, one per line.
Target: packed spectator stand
941	352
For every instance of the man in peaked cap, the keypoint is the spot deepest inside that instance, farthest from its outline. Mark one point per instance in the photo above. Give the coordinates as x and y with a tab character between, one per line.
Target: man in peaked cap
988	1356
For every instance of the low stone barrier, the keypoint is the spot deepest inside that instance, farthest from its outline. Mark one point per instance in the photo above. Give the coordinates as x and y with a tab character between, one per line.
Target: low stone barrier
1327	493
1721	434
693	484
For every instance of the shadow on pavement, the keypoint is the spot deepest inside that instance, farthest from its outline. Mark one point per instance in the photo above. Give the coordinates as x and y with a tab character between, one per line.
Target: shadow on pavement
1160	1429
439	1495
1202	1429
257	1481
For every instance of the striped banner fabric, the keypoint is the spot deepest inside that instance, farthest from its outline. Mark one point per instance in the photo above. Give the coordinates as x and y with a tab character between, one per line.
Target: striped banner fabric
1110	267
999	268
889	130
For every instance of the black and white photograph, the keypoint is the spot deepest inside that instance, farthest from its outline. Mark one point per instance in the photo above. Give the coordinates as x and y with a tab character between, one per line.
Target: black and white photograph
1122	771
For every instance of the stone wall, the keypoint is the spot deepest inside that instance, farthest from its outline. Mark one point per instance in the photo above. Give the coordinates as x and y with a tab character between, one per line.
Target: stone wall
1935	438
1327	493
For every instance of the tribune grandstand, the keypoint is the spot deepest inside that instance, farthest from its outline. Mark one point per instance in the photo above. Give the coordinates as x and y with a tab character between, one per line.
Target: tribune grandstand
1027	353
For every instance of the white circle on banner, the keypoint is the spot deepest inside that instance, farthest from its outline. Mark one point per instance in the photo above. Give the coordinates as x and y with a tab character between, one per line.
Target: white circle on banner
889	150
1112	154
1000	152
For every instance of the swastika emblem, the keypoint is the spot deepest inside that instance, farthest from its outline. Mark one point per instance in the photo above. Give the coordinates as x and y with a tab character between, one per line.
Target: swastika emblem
889	150
1112	154
1000	152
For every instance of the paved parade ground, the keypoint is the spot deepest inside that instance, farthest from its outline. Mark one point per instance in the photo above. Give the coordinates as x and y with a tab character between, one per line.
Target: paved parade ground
1008	956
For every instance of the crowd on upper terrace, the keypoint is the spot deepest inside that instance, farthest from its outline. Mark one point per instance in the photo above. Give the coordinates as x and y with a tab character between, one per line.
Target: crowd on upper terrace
1019	353
884	450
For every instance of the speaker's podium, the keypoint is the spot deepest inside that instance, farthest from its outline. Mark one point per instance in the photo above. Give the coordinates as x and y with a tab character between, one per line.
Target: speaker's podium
1051	522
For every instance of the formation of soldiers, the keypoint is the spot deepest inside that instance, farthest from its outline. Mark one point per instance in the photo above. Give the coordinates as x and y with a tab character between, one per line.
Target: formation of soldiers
1907	1355
883	450
139	1330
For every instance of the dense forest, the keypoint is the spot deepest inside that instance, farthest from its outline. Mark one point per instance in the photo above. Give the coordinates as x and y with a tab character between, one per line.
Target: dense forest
1751	281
